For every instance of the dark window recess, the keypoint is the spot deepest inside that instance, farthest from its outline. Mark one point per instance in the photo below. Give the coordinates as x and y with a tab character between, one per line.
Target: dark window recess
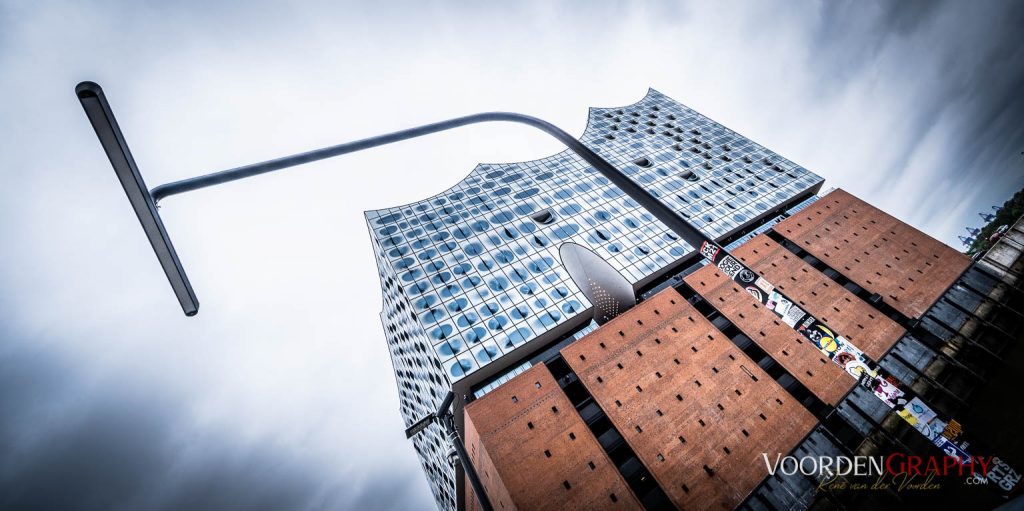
626	461
752	350
915	327
543	217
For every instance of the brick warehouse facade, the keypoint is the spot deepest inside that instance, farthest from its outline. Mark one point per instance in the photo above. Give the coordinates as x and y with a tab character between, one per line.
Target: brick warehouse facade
694	407
671	404
473	279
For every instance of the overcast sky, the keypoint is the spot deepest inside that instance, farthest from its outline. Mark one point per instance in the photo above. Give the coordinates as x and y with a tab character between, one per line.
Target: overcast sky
279	394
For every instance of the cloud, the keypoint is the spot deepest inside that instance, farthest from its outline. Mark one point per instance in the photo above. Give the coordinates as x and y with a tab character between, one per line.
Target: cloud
116	445
280	394
941	81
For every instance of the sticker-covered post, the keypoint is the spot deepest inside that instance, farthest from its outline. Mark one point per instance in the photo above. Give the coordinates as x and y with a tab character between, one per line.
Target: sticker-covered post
943	432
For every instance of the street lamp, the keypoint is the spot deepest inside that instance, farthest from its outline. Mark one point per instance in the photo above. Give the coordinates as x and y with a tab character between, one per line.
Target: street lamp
113	142
144	201
447	419
838	349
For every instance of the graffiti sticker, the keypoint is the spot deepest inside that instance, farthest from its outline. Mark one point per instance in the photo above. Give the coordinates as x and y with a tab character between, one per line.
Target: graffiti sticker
887	391
853	361
793	315
926	421
764	285
730	266
823	338
709	250
1003	475
953	431
745	276
952	450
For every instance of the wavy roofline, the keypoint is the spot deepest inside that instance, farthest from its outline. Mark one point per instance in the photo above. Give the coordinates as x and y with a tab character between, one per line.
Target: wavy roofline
590	120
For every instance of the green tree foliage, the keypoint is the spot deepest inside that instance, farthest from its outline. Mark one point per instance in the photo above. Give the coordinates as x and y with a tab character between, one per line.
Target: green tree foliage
1011	211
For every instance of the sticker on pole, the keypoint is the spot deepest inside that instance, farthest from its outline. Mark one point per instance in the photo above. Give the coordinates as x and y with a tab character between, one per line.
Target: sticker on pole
709	250
730	266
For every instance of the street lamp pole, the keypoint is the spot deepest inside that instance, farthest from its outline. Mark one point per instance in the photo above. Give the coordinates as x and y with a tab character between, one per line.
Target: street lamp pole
144	201
840	350
447	420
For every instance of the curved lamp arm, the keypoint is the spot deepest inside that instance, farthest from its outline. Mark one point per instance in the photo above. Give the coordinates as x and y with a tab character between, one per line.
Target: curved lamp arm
144	200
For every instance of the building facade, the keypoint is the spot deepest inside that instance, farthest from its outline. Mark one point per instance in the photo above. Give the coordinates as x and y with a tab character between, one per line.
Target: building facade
685	392
472	281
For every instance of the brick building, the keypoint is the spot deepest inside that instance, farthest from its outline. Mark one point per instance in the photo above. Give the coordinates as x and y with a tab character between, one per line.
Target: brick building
473	279
672	403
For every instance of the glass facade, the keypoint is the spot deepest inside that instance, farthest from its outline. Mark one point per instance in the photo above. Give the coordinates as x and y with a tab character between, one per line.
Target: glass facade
472	274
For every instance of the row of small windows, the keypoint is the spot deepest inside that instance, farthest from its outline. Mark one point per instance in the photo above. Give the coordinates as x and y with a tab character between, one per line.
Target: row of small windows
443	277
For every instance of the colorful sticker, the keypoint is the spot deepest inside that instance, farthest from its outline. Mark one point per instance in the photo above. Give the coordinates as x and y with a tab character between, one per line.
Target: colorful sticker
953	431
806	323
952	450
887	391
823	338
927	421
853	361
885	387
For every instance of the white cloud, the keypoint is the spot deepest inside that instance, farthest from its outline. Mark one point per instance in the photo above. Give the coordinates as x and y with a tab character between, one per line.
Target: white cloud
287	350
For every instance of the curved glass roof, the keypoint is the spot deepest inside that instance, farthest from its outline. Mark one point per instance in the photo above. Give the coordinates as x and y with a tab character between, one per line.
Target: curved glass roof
478	263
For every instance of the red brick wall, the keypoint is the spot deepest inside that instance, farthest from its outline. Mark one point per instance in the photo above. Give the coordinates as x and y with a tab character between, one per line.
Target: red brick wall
819	295
661	367
524	467
908	268
790	349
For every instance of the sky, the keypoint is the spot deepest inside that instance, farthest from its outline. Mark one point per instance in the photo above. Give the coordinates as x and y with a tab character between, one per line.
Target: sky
280	394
